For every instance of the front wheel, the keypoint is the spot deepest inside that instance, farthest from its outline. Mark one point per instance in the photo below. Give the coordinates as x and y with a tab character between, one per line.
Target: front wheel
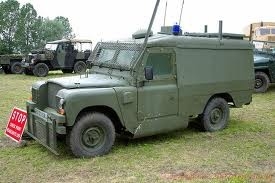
92	135
41	70
80	67
261	82
215	115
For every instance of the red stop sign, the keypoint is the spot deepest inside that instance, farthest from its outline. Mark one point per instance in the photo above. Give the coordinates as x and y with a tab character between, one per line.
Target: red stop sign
16	124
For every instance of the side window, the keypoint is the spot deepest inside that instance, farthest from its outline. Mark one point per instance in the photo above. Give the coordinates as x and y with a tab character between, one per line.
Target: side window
161	63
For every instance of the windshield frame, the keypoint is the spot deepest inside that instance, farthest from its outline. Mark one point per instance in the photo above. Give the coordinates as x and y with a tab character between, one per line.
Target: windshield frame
118	47
53	45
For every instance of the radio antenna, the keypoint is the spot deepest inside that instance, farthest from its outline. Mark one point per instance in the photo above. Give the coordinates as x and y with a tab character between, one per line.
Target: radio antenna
151	23
181	11
165	14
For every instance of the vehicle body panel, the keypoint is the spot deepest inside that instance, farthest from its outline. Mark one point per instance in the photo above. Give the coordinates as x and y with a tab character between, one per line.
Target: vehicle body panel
265	62
187	73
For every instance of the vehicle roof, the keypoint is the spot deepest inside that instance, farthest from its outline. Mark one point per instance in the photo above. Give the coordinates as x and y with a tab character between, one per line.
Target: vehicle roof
70	40
164	40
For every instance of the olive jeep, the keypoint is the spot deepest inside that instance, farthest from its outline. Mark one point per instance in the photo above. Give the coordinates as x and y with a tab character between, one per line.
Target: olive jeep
68	55
11	63
264	65
137	90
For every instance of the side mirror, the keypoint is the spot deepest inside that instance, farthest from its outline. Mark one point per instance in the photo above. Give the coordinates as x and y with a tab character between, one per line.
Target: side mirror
149	75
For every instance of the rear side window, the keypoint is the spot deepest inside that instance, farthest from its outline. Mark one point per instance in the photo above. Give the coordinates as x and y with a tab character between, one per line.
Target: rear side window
161	63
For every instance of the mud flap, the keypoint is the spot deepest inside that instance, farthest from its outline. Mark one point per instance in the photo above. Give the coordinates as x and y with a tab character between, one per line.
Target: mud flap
43	130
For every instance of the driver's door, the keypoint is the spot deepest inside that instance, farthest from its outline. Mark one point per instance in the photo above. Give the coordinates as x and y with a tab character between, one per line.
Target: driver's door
158	98
60	55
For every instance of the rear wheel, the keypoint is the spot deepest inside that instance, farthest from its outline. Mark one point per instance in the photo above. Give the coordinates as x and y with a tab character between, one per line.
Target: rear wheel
16	68
261	82
92	135
6	69
80	67
215	115
41	70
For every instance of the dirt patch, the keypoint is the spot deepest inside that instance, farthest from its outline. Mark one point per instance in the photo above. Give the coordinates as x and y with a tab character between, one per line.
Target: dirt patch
196	175
6	142
191	175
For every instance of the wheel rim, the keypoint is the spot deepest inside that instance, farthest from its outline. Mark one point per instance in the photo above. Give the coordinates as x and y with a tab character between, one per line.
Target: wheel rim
258	83
80	68
216	116
17	68
41	71
93	137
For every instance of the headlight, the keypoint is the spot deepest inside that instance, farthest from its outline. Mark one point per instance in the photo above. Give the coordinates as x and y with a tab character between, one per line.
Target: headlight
32	61
60	105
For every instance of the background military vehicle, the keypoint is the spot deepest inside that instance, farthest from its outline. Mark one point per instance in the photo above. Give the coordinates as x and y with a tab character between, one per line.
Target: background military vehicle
68	55
260	31
264	65
136	91
11	63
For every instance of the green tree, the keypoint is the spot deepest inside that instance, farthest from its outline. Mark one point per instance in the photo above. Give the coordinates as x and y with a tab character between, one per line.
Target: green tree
22	30
68	31
8	24
27	30
58	28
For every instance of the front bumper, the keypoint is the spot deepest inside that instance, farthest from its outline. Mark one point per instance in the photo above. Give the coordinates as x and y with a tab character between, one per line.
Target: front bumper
44	126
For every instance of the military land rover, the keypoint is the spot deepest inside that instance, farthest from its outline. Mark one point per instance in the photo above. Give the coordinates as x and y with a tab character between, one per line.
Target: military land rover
136	91
68	55
11	63
264	65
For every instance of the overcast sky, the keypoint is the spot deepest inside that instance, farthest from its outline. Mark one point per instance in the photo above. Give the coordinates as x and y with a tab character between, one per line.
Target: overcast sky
114	19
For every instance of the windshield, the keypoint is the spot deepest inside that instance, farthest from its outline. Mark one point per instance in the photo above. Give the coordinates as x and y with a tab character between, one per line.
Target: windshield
115	55
261	46
51	46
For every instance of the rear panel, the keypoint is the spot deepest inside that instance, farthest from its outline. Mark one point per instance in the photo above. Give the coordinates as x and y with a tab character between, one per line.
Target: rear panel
205	72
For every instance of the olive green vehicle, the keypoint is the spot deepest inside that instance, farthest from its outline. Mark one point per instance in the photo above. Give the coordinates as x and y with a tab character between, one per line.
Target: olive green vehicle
264	65
68	55
138	92
11	63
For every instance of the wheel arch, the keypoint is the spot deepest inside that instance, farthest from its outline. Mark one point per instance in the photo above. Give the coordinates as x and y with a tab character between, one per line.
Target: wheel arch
226	96
48	63
108	111
264	70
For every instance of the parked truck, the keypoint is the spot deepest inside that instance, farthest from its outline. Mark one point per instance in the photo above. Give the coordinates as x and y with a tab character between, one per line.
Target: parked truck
260	31
264	66
138	91
68	55
11	63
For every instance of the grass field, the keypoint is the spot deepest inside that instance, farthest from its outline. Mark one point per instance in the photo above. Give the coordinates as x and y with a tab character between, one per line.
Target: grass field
243	152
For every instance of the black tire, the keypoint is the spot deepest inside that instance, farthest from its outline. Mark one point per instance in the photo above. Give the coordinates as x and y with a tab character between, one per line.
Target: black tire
215	115
28	71
80	67
6	69
261	82
92	135
16	68
41	70
67	71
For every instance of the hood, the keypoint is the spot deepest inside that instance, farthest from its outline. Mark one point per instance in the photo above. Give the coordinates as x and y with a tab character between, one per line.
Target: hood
93	80
261	59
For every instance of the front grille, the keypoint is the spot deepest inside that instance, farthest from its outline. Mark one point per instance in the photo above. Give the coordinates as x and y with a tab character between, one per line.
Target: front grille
35	95
52	91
